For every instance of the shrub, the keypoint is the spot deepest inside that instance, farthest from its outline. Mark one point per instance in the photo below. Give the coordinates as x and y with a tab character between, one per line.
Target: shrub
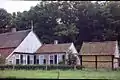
61	62
11	77
42	67
79	67
2	60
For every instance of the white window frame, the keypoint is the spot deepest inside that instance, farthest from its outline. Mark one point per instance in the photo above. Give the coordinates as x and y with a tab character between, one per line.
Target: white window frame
17	56
41	57
31	59
24	59
60	57
51	59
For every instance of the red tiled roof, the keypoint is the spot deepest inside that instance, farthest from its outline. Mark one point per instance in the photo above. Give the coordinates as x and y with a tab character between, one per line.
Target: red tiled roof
98	48
6	52
50	48
12	39
9	41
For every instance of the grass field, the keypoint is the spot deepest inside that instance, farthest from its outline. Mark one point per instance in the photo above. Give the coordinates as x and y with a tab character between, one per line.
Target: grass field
68	74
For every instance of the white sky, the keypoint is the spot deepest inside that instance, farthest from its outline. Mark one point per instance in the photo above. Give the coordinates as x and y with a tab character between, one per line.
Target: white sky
15	6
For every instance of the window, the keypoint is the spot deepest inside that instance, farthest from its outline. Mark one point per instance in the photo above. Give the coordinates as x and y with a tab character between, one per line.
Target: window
51	57
55	59
31	57
37	61
28	59
63	57
44	61
51	61
34	59
24	57
21	58
31	61
10	62
24	61
17	56
59	57
17	61
41	58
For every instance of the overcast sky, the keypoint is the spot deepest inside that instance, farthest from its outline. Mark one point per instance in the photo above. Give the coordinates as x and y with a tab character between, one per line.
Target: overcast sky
17	5
14	6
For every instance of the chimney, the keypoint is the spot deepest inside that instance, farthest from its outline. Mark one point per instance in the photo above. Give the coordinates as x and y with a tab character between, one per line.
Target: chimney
13	30
55	41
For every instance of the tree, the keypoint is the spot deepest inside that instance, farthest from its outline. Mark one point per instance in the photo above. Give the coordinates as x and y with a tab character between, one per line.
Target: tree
68	21
5	19
72	60
2	60
69	31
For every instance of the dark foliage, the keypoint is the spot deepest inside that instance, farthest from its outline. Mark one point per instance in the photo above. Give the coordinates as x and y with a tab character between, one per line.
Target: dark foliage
68	21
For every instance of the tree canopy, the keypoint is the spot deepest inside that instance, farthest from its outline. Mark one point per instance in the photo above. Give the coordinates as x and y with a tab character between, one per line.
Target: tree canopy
68	21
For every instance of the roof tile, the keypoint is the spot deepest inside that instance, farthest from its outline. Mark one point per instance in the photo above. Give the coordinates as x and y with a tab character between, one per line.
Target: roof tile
98	48
48	48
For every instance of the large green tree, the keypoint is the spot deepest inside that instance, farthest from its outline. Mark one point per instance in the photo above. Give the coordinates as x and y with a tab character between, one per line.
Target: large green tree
69	21
5	20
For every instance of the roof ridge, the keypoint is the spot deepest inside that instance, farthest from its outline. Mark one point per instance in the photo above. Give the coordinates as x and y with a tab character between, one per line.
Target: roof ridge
100	41
57	44
64	43
14	32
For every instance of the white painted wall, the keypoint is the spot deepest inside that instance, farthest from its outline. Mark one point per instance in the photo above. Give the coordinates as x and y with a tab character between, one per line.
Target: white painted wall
30	44
116	64
116	50
11	59
72	48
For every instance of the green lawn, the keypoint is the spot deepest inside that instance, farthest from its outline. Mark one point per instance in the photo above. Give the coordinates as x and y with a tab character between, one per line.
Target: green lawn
70	74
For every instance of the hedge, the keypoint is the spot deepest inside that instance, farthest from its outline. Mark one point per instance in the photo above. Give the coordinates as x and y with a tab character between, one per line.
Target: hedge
41	67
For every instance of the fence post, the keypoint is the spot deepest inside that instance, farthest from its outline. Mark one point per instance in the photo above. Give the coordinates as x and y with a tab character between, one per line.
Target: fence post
46	64
96	62
112	62
58	74
13	66
81	61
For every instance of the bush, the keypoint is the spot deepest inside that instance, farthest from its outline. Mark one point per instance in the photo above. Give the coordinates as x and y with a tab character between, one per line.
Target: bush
79	67
30	67
41	67
11	77
62	62
2	60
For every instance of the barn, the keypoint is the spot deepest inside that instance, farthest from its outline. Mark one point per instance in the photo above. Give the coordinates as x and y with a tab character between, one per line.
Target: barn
99	54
